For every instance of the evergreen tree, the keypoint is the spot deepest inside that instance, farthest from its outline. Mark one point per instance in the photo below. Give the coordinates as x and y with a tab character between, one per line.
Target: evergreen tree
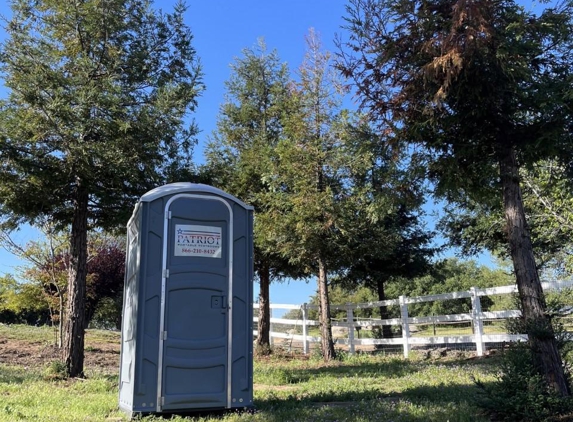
483	87
309	195
239	155
473	226
98	97
388	238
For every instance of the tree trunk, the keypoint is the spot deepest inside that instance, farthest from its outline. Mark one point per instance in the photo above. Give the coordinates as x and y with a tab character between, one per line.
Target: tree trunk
538	324
264	326
386	329
60	318
73	351
327	343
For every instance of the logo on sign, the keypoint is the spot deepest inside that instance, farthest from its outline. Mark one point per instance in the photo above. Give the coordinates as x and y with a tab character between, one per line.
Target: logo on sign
202	241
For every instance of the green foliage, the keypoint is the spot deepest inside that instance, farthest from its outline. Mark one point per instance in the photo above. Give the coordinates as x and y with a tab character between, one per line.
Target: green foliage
308	193
309	202
438	60
340	296
559	306
22	302
249	128
35	298
451	275
17	297
240	153
520	392
447	276
103	106
484	89
107	314
99	95
106	271
56	370
473	226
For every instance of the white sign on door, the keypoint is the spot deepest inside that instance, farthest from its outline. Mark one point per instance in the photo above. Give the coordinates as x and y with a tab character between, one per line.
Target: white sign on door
202	241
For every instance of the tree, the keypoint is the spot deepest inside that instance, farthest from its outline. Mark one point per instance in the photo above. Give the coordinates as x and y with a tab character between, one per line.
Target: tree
452	275
43	279
106	271
483	88
22	302
46	272
547	199
389	240
310	207
249	127
99	94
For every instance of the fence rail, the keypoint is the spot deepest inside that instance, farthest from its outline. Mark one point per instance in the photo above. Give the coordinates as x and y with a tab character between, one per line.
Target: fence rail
476	317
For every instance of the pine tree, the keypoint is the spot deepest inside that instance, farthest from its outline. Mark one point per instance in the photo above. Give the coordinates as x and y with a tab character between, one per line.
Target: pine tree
239	155
483	88
98	98
308	196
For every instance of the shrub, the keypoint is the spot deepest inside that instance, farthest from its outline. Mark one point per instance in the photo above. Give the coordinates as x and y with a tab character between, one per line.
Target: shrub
520	392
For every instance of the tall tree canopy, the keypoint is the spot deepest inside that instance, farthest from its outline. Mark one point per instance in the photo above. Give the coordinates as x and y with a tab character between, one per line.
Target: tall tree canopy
483	88
388	239
239	155
99	94
473	226
311	206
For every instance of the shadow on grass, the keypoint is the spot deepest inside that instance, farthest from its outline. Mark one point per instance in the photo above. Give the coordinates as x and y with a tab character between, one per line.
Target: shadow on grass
289	402
390	369
286	375
418	404
453	402
16	375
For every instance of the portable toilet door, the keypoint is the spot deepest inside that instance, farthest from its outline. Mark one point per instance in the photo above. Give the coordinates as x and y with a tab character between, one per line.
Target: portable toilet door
206	254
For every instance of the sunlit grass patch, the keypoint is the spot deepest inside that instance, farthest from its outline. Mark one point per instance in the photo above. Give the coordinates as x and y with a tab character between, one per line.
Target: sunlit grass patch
288	387
33	398
28	333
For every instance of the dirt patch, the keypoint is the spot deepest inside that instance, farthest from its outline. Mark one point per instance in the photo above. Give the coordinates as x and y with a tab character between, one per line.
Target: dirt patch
99	355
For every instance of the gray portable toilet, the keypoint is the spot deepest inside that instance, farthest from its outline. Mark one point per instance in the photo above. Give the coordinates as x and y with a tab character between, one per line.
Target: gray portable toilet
186	338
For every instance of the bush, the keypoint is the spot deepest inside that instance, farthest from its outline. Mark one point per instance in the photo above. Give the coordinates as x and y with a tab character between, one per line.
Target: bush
521	392
56	370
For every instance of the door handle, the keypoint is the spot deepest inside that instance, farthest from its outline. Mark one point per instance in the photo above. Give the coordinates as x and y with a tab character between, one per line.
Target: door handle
223	304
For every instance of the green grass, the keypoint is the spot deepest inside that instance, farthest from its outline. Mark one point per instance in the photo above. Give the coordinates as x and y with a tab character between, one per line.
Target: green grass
48	335
28	333
359	388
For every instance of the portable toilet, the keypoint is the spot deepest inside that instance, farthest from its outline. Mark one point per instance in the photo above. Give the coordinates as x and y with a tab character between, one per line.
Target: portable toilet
186	338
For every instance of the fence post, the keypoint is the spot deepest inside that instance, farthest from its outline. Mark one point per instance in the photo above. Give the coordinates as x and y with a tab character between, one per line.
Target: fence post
350	325
405	326
477	321
304	330
271	342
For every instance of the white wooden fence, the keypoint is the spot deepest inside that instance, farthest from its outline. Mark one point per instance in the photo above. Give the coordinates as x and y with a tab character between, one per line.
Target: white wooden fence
476	317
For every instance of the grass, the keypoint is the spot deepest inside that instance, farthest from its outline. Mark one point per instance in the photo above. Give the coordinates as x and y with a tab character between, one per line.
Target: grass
362	389
28	333
287	388
27	395
47	335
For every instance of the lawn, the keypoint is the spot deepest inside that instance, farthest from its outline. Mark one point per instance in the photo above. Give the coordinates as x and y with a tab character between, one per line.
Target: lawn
287	387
